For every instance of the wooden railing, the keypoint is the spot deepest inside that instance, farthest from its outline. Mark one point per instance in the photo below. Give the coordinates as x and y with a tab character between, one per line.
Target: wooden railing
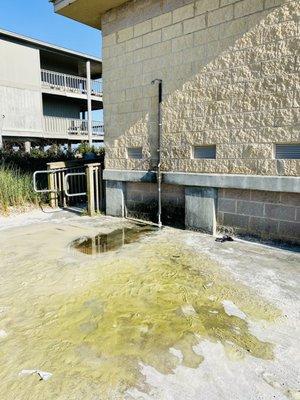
69	83
71	127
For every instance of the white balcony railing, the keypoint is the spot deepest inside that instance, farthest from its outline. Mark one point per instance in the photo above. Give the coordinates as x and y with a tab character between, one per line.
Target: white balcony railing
68	127
69	83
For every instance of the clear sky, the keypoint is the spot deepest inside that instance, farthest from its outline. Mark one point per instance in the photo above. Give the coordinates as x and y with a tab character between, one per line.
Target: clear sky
36	19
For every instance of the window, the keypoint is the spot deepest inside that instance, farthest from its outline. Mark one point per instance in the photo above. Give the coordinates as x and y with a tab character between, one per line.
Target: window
287	151
135	153
205	151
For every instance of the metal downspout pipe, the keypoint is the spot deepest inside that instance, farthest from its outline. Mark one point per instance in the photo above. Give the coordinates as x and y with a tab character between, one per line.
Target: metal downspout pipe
159	128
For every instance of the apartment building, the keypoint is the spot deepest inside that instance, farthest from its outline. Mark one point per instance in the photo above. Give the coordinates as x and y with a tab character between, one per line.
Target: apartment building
48	94
230	116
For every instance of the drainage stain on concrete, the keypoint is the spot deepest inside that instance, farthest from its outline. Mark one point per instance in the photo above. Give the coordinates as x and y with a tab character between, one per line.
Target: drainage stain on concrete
143	303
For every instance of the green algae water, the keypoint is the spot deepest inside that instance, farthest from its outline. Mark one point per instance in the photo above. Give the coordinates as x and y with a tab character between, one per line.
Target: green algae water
135	307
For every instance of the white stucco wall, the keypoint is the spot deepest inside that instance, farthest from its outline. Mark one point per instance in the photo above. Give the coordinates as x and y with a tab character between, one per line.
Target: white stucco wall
20	90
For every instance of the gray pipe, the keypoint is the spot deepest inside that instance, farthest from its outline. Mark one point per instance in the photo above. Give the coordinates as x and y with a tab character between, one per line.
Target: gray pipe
159	176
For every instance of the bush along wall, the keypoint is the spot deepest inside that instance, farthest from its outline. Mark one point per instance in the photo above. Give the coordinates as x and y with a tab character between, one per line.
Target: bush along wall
37	159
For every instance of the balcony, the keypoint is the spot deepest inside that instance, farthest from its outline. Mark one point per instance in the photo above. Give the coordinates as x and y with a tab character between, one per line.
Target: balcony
70	85
68	128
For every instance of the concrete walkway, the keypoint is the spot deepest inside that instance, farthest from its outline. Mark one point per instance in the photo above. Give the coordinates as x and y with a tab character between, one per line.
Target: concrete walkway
239	315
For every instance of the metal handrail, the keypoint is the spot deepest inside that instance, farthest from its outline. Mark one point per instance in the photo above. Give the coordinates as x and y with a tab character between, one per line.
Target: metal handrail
69	83
52	171
66	184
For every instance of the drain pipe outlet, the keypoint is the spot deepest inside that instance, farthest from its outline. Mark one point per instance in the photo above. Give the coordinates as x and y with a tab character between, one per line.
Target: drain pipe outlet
159	176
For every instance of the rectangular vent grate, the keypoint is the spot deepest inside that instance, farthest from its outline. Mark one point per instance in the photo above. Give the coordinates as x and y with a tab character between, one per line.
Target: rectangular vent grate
288	151
205	151
135	152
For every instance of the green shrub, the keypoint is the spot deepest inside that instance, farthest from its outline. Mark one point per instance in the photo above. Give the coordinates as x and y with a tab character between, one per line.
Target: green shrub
16	189
85	148
37	159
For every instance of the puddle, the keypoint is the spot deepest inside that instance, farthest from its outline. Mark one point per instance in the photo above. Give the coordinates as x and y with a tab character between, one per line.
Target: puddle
112	241
150	306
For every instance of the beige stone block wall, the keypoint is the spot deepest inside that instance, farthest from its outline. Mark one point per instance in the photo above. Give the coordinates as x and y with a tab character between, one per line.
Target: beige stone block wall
230	73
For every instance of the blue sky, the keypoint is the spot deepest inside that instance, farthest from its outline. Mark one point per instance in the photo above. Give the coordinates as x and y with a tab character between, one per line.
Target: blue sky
36	18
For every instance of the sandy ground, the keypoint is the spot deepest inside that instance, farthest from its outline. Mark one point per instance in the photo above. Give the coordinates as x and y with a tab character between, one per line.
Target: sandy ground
18	219
37	267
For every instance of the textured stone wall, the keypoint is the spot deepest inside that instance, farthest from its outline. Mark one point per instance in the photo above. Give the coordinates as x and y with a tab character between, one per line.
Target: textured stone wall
230	70
269	215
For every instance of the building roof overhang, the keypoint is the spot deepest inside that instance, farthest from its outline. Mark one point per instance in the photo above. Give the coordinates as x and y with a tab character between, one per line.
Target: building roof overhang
60	51
88	12
55	51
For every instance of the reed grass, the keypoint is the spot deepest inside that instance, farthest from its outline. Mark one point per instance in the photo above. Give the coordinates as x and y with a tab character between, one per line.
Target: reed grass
16	189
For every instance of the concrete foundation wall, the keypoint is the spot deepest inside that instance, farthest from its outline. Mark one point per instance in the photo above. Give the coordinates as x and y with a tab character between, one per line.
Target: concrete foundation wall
201	209
269	215
230	71
141	202
115	202
264	215
20	89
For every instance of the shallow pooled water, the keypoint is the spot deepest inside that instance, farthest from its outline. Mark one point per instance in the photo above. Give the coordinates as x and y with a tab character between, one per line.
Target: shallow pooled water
93	322
105	242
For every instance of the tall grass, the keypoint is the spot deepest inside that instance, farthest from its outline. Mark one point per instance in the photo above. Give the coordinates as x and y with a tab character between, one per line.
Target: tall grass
16	188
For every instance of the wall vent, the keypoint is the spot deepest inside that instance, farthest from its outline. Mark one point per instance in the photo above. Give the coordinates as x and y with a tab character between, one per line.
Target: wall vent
287	151
205	151
135	152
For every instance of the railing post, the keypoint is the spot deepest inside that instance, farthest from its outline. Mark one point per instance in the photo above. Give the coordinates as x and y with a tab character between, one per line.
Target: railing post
55	183
65	82
89	102
52	186
90	189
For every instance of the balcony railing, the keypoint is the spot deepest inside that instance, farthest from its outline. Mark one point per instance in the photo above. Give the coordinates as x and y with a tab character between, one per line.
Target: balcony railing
69	83
68	127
